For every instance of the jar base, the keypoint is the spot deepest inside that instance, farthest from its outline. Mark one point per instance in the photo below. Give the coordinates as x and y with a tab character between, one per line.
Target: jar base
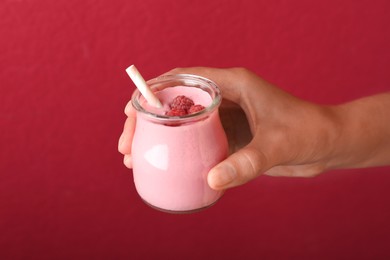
180	211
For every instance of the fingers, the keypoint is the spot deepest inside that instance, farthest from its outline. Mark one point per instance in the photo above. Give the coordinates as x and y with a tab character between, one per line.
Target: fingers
304	170
129	109
126	139
228	80
128	161
237	169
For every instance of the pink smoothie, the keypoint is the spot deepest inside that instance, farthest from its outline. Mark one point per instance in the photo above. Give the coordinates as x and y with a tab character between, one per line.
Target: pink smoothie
171	161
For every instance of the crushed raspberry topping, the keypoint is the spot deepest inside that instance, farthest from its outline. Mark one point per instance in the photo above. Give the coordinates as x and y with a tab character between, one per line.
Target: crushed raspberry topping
195	108
182	105
181	102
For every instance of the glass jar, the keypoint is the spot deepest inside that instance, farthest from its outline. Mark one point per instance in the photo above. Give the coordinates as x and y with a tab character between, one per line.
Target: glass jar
173	155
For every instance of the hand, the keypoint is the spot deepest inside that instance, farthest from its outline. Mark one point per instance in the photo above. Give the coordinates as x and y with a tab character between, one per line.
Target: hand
290	136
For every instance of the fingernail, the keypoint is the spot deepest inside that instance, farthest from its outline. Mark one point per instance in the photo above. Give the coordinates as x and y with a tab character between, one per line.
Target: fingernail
222	175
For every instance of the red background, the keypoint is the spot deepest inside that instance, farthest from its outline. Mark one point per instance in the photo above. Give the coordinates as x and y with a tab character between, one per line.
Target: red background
64	192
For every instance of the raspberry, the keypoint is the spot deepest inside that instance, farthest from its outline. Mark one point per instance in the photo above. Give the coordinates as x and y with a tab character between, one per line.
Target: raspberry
176	112
195	108
182	103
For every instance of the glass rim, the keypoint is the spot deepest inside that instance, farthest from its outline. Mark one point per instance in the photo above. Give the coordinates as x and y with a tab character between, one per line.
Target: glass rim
204	82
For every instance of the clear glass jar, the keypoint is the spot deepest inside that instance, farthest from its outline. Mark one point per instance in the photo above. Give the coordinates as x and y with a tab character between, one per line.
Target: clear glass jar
173	155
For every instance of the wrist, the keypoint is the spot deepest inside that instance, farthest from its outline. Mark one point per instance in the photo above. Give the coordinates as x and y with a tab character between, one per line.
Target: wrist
361	136
324	138
335	138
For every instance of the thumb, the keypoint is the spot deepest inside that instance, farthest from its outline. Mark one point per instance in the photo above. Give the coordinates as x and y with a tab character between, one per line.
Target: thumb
239	168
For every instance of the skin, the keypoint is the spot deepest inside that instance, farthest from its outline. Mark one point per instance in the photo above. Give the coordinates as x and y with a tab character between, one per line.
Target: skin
290	136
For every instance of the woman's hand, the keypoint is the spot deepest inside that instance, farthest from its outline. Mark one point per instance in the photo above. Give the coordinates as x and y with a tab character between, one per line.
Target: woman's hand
290	137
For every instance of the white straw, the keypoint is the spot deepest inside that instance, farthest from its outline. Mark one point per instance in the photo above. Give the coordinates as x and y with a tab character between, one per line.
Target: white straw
143	87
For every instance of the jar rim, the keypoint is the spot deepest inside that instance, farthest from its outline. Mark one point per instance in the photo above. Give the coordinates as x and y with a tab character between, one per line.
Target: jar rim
187	80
